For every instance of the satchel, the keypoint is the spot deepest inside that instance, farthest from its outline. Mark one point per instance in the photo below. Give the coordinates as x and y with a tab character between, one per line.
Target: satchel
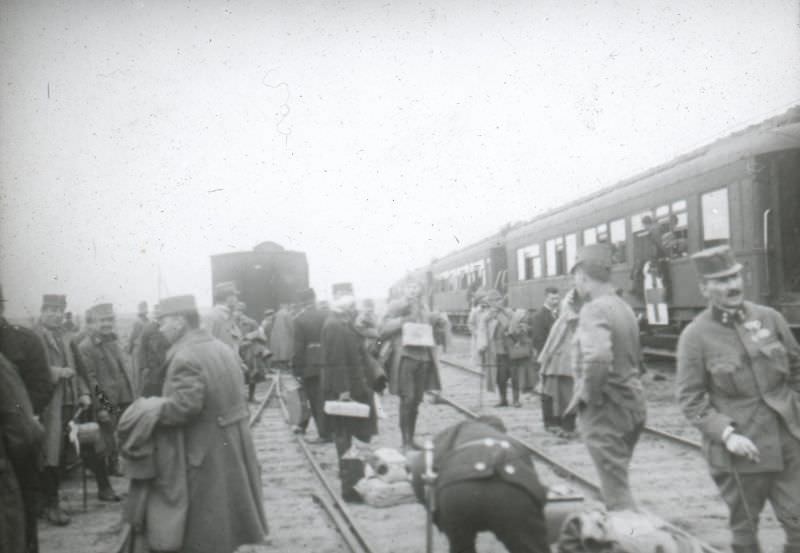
519	350
418	334
353	409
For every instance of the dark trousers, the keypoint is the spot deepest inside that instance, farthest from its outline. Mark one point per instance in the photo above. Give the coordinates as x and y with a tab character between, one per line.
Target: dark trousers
503	376
312	393
566	422
472	506
782	489
610	433
412	377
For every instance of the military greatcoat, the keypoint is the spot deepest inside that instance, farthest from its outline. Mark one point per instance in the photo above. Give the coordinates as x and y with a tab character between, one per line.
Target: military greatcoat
203	392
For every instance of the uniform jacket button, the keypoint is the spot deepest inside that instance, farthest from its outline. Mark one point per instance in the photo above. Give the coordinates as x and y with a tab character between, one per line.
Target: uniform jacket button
480	465
510	469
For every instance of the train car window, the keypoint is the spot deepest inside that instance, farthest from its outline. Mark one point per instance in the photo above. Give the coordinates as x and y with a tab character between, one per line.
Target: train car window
662	211
602	233
716	218
571	241
589	236
529	262
552	267
675	230
618	241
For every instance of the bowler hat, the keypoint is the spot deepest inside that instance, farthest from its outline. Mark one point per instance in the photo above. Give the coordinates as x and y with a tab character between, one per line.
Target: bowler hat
176	305
598	255
716	262
54	300
102	310
227	288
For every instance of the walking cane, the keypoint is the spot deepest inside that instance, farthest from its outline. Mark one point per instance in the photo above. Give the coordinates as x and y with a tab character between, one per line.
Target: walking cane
74	427
430	494
743	498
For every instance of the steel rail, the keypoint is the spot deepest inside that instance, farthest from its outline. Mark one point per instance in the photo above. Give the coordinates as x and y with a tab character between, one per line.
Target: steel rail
680	440
347	518
560	469
271	390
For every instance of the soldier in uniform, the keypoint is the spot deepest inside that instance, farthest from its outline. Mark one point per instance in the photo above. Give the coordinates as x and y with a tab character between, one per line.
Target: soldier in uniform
134	343
71	393
151	355
221	322
101	356
484	482
738	382
412	369
608	396
541	323
307	361
495	325
23	349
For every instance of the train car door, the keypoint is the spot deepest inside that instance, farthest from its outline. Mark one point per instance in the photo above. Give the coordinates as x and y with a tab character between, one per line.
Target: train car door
782	234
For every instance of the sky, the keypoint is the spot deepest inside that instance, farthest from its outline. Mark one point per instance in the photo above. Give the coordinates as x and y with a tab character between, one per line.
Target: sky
139	138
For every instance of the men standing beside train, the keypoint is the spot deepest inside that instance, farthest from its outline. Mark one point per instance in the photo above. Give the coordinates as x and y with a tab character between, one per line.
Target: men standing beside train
495	324
738	382
211	463
151	355
608	397
541	323
221	323
307	362
101	356
412	366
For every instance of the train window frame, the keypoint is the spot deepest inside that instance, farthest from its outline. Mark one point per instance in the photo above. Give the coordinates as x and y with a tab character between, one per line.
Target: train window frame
591	231
570	251
637	226
532	252
619	249
705	241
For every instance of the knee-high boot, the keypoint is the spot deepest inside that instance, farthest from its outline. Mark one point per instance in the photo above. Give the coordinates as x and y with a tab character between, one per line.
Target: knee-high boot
412	426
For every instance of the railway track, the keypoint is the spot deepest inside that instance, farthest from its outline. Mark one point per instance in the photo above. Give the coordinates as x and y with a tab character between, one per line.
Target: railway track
663	434
311	516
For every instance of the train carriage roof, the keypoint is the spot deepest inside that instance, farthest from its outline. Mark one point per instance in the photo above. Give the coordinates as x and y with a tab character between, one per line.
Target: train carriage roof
775	134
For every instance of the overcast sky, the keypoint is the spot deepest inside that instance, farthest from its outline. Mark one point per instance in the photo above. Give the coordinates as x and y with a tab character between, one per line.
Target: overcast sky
371	135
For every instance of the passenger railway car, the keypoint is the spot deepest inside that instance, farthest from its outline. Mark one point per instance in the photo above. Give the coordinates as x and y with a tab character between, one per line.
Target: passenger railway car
742	190
266	277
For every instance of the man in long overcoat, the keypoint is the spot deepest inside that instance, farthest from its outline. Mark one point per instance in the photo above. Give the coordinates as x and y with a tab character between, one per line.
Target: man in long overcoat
71	393
738	382
134	343
412	369
107	376
221	323
541	323
608	395
308	362
24	350
203	397
344	377
20	436
497	363
151	354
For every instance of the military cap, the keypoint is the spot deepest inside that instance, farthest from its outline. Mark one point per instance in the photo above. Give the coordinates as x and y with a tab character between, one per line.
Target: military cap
716	262
307	296
598	255
227	288
177	305
102	310
142	308
54	300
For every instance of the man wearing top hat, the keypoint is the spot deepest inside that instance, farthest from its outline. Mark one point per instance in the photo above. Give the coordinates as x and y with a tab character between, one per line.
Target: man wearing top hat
221	322
107	377
608	396
202	399
738	382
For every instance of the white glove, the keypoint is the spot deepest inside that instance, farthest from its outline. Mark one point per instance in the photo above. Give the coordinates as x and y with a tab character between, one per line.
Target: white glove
742	446
66	372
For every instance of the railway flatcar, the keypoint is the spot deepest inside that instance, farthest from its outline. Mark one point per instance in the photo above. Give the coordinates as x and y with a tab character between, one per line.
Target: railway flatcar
266	277
742	190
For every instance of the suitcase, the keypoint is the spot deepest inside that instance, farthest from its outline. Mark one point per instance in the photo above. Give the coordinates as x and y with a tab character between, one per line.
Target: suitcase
347	409
296	404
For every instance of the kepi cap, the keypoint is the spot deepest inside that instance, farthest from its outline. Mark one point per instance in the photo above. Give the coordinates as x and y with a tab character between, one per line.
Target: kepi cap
54	300
716	262
598	255
176	305
102	310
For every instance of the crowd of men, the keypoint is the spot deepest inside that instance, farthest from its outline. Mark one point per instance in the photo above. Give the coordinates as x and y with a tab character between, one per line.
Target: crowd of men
172	404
